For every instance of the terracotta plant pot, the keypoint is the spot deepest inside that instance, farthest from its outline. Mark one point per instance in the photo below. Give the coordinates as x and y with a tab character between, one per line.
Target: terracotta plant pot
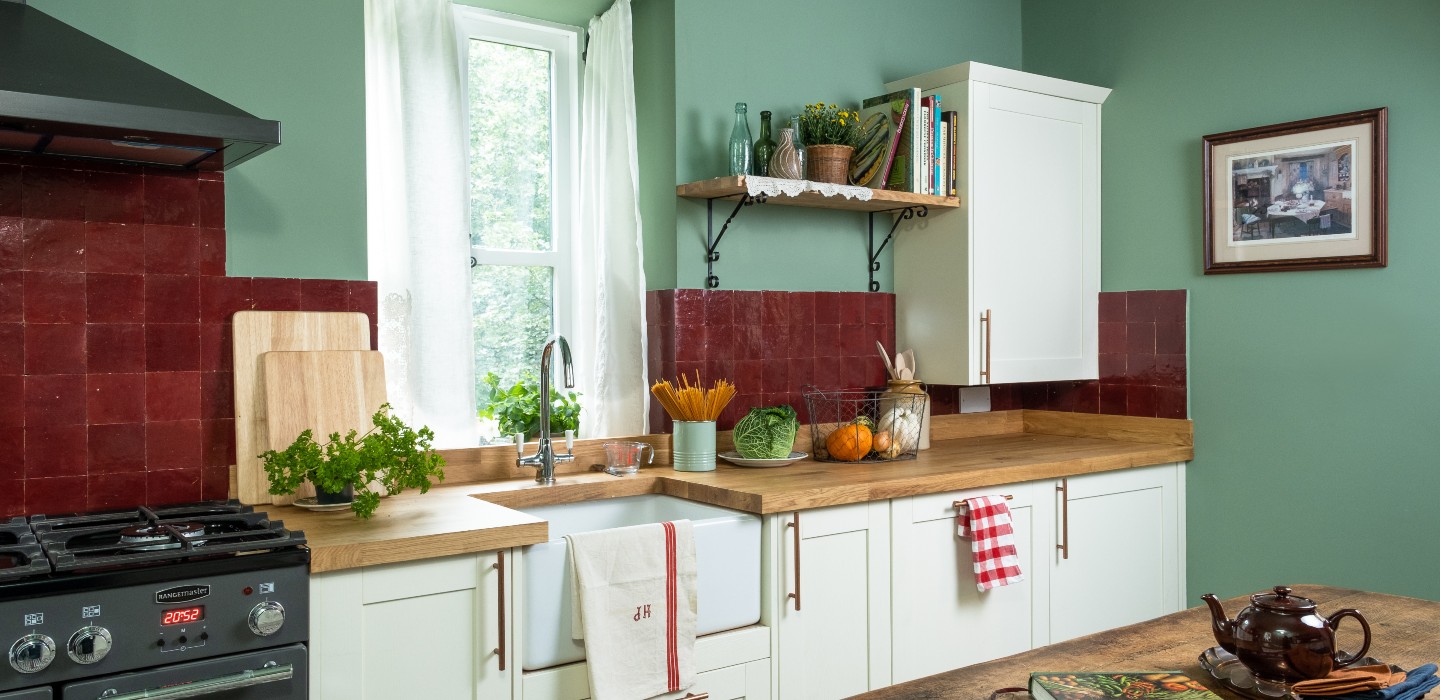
829	163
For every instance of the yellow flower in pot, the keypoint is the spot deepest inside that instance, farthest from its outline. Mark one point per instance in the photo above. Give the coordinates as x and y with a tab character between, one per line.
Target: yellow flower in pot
829	134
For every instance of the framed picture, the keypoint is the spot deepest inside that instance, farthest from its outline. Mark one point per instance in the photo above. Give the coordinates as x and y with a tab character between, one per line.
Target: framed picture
1305	195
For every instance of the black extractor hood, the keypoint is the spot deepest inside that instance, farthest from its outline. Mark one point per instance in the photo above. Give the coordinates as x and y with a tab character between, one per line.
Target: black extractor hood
66	93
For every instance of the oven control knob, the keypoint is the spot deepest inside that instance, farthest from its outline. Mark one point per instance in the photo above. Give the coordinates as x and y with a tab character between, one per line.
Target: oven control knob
89	645
32	653
267	618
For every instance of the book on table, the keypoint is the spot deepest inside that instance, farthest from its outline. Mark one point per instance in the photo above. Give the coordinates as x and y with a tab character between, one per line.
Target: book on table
1125	685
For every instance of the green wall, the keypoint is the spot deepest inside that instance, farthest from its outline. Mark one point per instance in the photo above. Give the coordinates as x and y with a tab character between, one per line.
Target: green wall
299	210
1313	393
778	56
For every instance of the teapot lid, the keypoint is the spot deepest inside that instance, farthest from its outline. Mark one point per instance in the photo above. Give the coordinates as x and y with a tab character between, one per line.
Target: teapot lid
1282	600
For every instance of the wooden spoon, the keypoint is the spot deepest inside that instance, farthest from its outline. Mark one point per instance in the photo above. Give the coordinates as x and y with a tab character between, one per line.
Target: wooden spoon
886	357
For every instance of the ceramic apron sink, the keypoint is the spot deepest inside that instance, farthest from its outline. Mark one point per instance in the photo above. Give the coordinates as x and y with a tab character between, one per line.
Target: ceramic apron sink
727	553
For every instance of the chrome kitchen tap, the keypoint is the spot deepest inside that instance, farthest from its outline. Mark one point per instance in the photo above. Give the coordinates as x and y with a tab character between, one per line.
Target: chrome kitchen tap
545	457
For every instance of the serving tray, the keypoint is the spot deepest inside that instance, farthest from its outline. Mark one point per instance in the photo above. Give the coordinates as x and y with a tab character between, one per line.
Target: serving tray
1232	675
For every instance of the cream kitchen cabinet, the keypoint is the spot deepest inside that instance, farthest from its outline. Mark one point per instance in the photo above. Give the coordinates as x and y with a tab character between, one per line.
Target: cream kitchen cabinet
732	665
426	629
832	598
1006	289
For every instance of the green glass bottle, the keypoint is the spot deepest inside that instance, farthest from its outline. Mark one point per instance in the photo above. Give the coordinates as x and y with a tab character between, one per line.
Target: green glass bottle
764	146
742	154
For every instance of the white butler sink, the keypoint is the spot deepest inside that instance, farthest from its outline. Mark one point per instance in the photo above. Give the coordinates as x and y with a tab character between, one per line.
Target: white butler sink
727	553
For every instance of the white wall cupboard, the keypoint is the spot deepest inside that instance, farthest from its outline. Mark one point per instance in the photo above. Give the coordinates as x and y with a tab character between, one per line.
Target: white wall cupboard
1006	289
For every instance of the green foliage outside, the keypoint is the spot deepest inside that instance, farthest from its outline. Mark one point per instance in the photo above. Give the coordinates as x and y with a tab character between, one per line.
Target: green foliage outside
517	408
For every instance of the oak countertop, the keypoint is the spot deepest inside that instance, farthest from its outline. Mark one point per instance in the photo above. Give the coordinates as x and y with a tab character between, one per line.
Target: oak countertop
968	452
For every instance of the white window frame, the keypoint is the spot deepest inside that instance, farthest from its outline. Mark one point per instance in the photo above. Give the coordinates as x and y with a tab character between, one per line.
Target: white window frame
562	41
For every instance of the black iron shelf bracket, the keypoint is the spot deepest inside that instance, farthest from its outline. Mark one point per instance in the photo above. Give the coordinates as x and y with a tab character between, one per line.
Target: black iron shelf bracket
712	239
909	212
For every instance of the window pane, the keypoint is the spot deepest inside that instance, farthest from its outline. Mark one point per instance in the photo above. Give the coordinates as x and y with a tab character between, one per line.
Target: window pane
509	146
512	307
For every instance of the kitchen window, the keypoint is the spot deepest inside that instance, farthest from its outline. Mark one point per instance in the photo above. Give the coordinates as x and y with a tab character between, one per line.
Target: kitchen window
521	100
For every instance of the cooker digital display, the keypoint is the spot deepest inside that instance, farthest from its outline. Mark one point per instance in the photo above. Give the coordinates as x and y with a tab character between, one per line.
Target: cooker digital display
181	616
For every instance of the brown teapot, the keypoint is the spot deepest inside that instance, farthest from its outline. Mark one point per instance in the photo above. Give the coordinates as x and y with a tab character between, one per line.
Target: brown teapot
1280	637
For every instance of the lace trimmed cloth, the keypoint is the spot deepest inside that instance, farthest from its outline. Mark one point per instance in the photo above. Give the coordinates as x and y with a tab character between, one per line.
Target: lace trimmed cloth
774	186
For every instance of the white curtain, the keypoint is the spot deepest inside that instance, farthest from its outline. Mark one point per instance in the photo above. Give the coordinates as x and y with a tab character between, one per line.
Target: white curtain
418	214
609	265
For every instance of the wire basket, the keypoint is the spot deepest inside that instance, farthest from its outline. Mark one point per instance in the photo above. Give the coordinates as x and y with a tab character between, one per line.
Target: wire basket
890	423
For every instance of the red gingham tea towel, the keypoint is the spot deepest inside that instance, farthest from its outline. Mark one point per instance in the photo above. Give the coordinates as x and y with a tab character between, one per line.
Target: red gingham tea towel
986	521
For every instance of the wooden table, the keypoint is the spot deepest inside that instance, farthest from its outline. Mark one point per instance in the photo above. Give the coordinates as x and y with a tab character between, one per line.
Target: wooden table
1406	632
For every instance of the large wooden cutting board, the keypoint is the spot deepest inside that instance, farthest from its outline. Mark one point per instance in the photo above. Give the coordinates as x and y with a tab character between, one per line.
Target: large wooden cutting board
325	391
259	332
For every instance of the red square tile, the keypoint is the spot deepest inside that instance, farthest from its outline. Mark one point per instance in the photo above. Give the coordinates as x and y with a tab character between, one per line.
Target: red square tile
1169	338
173	445
54	297
693	371
11	190
115	248
719	308
1170	371
217	438
1087	397
117	448
827	308
217	395
55	450
944	400
54	245
12	493
276	294
1033	396
172	199
827	341
215	483
1140	306
875	303
210	176
221	297
114	197
1140	370
66	494
802	308
690	343
747	307
852	341
12	401
1140	401
172	250
777	342
212	252
116	491
1170	306
853	375
54	399
852	308
1112	338
1112	368
172	347
324	295
1169	402
115	347
12	348
749	342
829	374
216	347
801	374
12	454
689	307
12	296
667	343
1113	399
172	299
1112	307
750	376
802	341
12	242
52	193
775	308
171	396
1000	397
212	204
55	348
719	342
718	369
167	486
1139	337
365	298
115	298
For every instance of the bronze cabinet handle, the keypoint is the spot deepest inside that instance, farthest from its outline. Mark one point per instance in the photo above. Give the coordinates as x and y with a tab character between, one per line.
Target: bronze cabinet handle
693	696
796	595
1064	546
957	505
987	319
499	565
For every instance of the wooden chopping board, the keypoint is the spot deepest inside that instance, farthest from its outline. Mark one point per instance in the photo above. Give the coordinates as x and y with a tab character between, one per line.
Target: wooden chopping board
259	332
326	391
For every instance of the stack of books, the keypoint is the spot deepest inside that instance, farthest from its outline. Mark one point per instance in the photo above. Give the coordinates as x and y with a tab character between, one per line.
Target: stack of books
914	148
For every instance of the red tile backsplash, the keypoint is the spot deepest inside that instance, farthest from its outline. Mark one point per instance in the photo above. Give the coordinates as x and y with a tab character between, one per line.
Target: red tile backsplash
115	341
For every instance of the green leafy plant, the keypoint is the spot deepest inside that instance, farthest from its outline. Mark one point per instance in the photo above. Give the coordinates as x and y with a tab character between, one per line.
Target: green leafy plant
828	125
390	455
766	433
517	408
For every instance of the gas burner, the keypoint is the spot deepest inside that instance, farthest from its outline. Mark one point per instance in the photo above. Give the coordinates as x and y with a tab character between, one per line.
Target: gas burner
145	538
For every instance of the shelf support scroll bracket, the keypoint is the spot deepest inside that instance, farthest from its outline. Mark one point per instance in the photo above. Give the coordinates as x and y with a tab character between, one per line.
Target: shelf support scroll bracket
712	240
909	212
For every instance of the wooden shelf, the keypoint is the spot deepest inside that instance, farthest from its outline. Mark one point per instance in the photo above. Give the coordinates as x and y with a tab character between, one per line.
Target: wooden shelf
733	187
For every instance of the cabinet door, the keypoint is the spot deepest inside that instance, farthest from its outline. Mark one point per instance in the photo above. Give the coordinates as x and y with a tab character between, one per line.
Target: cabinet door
1036	234
1123	565
941	621
834	640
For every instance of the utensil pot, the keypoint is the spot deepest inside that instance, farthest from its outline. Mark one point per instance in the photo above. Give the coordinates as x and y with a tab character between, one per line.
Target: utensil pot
693	447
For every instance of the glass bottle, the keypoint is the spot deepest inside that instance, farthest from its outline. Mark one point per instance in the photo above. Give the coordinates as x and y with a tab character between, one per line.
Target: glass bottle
799	145
764	146
742	156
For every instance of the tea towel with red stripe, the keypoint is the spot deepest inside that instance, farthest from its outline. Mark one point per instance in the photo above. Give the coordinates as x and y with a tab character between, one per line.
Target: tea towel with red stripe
635	606
985	521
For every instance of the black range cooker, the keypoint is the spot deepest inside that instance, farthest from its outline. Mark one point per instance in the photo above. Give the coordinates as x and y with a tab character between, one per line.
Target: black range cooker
206	600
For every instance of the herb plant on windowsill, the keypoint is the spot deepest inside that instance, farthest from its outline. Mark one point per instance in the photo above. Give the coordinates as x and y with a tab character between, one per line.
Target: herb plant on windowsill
390	455
517	409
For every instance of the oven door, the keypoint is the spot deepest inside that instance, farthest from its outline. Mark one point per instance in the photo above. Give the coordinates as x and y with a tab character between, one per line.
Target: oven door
275	674
32	694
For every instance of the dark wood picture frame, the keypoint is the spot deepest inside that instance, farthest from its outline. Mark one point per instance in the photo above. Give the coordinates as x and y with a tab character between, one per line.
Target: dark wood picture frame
1376	119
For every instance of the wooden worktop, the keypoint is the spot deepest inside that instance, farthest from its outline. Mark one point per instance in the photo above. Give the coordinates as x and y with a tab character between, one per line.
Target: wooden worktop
1405	631
971	451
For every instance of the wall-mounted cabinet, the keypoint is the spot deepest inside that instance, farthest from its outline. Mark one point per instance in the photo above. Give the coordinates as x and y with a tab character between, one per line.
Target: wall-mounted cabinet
1006	288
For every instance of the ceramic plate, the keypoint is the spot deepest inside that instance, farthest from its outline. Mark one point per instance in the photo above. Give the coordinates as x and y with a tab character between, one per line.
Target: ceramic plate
310	504
735	459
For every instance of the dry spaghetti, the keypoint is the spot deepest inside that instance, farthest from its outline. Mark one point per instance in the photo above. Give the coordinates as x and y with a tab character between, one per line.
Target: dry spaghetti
692	403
